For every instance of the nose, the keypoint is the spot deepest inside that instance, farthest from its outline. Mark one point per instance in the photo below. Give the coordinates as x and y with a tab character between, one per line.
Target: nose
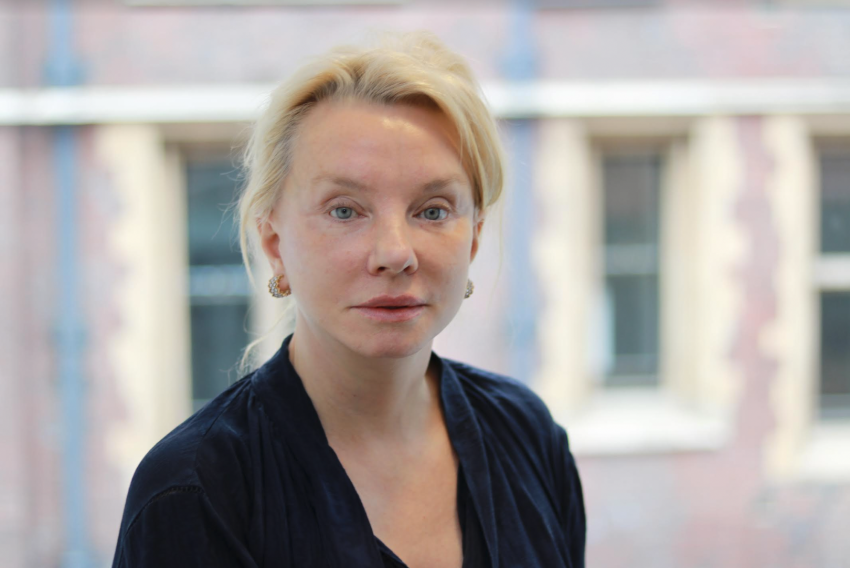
393	248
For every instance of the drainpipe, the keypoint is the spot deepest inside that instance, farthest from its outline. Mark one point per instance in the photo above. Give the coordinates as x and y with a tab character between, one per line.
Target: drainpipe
61	71
519	66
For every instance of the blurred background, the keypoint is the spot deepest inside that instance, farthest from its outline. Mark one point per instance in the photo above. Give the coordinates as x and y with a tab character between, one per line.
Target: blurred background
670	269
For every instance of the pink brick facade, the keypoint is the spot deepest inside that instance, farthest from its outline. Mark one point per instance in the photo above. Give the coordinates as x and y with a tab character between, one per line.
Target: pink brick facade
699	509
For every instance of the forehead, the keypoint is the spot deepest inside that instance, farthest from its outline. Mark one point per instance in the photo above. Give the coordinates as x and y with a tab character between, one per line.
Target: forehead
364	141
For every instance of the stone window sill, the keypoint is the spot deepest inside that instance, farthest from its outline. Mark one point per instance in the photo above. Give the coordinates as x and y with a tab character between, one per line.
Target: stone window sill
826	453
642	421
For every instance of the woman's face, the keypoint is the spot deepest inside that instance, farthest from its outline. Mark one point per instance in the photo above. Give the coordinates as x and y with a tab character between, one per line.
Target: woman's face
377	209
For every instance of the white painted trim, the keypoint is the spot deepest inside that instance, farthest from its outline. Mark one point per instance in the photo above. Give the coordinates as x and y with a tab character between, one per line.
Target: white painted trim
692	408
248	3
565	260
791	337
826	455
669	98
242	102
832	272
149	351
642	421
110	105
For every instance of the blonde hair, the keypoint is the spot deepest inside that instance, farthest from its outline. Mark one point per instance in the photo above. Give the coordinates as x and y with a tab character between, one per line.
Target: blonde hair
414	68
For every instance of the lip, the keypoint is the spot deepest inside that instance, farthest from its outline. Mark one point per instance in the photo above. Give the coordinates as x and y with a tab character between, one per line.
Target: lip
386	301
391	315
391	309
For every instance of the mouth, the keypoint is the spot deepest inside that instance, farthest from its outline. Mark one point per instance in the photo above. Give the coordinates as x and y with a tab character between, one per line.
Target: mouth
391	314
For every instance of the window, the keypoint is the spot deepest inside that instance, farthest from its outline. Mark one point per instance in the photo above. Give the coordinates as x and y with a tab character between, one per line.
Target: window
633	231
219	291
834	284
835	355
631	186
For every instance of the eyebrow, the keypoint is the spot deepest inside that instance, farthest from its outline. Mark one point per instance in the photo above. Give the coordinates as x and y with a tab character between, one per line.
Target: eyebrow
348	183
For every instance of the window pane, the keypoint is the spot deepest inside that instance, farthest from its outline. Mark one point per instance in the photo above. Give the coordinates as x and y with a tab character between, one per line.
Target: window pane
631	204
218	286
631	199
835	201
211	188
835	354
634	327
218	336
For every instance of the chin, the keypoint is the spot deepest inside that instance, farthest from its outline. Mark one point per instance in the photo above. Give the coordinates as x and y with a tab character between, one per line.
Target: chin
390	343
380	340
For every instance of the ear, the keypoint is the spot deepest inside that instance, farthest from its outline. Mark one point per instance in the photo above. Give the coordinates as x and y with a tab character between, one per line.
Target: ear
476	234
270	243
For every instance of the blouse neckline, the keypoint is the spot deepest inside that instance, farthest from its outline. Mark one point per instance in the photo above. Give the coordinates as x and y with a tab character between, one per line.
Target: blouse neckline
292	411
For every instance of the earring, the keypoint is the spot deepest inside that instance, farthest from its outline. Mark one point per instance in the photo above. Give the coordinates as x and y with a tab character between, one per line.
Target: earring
469	288
274	287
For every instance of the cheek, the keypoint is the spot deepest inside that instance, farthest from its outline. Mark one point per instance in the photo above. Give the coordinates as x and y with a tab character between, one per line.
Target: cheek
448	258
317	255
461	243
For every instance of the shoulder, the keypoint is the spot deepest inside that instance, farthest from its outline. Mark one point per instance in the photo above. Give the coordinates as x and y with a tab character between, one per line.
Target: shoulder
517	421
204	454
502	400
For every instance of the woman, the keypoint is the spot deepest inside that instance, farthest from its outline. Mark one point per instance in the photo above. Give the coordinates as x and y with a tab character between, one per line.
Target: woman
369	177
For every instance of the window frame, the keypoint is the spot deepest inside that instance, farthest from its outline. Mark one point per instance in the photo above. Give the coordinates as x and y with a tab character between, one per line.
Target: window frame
831	270
205	141
824	451
601	147
803	447
690	408
204	154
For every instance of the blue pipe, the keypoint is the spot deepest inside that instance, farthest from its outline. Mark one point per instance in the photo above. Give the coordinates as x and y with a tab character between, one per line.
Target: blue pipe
520	66
71	327
70	348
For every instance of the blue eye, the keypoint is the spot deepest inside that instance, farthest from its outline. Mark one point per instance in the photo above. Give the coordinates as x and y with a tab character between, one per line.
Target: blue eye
435	214
343	212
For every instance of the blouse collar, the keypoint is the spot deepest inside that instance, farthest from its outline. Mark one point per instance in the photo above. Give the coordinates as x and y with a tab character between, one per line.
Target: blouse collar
292	411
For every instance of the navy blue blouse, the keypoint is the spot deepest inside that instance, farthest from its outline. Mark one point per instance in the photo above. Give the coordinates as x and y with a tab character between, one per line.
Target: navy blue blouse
250	480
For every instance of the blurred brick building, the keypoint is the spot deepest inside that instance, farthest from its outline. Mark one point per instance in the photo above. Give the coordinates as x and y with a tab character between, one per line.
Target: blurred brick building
672	275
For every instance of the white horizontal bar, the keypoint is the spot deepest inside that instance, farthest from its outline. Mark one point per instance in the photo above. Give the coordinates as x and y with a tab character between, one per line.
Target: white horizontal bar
643	421
246	3
671	98
832	272
100	105
242	102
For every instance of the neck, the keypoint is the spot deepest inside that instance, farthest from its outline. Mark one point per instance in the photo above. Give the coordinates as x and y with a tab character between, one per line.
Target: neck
366	402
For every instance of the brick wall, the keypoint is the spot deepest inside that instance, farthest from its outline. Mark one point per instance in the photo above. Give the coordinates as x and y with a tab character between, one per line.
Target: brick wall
706	509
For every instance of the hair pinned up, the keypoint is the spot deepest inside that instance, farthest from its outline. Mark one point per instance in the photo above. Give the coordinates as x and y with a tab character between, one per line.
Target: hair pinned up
414	68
